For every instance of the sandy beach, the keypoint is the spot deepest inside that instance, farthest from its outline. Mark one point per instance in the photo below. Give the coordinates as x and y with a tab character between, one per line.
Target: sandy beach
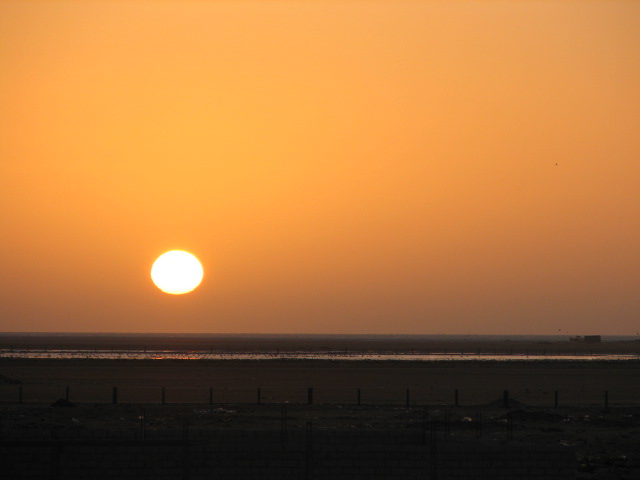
605	439
591	406
380	382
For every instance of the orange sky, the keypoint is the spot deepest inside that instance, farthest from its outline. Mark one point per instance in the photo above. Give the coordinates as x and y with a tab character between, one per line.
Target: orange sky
338	166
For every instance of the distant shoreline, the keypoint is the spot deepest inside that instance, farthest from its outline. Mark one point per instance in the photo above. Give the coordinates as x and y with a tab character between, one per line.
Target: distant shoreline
98	356
371	336
320	344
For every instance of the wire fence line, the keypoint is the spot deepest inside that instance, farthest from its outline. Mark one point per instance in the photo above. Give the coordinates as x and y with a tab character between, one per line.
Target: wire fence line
326	395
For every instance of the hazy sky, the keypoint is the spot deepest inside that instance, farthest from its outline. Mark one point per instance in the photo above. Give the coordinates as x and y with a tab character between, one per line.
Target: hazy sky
338	166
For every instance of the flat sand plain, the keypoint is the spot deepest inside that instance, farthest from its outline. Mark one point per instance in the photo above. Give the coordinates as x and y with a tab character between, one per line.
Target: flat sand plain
606	440
333	382
223	394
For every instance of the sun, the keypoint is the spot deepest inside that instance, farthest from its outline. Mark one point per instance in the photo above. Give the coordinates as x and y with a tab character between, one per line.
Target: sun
177	272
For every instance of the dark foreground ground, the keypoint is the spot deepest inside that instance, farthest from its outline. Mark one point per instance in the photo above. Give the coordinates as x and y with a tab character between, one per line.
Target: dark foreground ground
607	443
598	411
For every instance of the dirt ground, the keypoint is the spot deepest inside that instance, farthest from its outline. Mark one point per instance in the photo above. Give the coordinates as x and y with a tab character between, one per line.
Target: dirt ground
606	437
380	382
607	443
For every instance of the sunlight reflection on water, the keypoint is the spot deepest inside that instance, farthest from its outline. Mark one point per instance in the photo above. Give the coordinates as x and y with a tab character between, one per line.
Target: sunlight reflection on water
426	357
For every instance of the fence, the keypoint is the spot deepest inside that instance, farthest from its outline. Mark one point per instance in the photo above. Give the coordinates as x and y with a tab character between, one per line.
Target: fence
426	443
305	395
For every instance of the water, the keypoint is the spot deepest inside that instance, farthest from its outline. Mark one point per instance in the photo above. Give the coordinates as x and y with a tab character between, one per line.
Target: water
326	356
412	348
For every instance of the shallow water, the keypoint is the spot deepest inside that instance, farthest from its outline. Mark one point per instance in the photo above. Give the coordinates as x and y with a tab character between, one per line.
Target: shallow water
196	355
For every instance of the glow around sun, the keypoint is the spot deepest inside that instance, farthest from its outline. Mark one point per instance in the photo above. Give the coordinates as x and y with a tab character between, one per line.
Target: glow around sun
177	272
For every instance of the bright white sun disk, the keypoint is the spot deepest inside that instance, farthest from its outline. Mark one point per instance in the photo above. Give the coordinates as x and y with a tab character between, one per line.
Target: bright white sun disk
177	272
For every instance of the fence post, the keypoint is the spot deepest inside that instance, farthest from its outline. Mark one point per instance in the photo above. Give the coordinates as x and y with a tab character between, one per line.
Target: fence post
114	395
163	396
556	398
259	400
210	395
505	399
310	395
407	399
66	394
606	399
455	397
358	396
20	394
